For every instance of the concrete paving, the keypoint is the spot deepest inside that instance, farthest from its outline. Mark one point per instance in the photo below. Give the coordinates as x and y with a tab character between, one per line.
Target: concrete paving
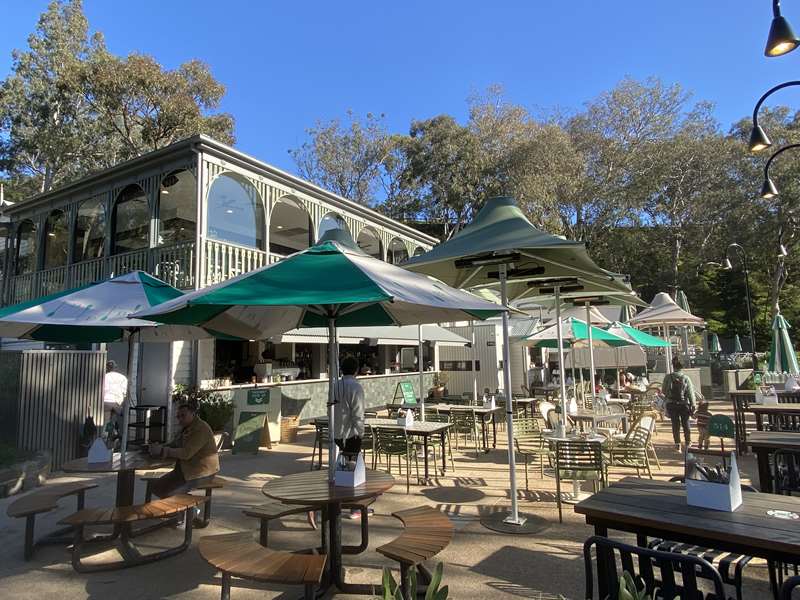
478	564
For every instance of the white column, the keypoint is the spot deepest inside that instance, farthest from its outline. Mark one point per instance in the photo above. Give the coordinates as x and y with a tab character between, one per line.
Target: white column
560	340
591	348
421	366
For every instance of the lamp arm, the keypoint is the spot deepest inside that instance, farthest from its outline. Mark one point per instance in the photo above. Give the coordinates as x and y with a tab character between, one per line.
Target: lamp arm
776	8
767	94
775	155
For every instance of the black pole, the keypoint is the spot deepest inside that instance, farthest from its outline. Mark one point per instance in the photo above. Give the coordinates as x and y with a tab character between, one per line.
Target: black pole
749	301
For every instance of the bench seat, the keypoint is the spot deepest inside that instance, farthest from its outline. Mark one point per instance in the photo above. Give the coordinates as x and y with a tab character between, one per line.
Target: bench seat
215	483
157	509
239	555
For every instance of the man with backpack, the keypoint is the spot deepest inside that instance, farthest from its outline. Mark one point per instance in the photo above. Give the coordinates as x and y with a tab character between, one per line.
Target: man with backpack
680	398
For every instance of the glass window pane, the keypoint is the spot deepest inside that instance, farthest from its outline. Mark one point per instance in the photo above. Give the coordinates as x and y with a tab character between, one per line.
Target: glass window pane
177	209
289	228
90	230
56	240
26	248
235	213
368	241
131	221
331	221
397	252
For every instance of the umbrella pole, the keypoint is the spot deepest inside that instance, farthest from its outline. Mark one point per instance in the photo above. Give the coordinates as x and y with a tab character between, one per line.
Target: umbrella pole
514	517
474	364
421	374
333	377
132	384
669	348
591	349
560	339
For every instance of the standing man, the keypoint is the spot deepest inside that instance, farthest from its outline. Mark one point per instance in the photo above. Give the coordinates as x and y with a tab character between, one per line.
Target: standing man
348	412
680	402
115	388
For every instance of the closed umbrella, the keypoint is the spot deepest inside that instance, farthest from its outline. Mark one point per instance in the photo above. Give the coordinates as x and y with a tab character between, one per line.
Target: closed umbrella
331	284
737	344
713	344
97	313
782	357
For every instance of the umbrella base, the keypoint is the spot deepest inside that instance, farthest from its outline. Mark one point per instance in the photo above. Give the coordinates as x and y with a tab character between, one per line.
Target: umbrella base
501	523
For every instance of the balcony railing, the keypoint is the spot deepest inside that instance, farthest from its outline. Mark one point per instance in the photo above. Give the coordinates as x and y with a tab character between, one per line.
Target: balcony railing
174	264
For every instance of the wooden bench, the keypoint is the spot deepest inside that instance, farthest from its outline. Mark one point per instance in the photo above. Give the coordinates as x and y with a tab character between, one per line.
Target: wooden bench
239	555
275	509
216	482
123	517
426	532
42	500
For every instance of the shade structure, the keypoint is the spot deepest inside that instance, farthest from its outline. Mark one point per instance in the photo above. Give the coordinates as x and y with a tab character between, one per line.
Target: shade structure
330	284
502	249
98	313
737	344
632	334
574	334
579	312
383	335
713	344
782	357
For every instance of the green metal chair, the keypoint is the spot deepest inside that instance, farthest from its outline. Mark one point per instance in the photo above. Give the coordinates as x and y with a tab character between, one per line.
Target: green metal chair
320	442
721	426
396	443
530	444
435	442
578	460
632	451
465	423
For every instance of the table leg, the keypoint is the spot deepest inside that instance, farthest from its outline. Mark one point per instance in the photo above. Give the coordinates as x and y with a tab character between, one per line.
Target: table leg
494	431
759	422
425	448
126	482
602	563
764	473
444	452
335	544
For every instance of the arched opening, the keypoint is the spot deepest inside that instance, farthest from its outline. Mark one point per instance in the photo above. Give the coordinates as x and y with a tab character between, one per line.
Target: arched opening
26	248
419	250
289	227
397	251
331	221
56	240
90	230
177	208
370	243
130	221
235	212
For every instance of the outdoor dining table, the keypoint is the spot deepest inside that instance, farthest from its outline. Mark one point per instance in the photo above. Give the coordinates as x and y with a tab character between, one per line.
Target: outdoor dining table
486	413
545	390
764	444
584	415
765	525
313	489
743	401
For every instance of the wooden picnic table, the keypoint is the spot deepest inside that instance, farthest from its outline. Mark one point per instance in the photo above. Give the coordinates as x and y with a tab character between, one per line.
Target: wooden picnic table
655	508
743	400
313	489
486	414
764	444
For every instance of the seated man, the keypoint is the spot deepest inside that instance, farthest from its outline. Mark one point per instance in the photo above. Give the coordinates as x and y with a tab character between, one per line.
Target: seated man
195	450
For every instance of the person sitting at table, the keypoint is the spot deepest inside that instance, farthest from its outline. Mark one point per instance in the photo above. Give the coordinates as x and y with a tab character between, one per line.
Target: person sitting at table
196	453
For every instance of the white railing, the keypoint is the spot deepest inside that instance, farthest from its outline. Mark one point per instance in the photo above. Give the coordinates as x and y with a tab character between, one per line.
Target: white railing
52	280
174	264
87	271
119	264
23	287
224	261
273	258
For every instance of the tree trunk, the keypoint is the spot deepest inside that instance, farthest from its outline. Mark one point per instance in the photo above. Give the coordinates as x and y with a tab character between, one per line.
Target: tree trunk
778	279
677	241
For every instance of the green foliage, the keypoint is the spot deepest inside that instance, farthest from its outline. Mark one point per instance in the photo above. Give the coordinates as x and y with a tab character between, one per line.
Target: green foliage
212	406
10	455
392	591
628	589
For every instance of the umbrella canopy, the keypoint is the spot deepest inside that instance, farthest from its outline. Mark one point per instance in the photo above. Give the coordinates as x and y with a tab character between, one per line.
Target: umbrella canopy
96	313
575	333
682	301
632	334
782	357
713	344
579	312
663	310
737	343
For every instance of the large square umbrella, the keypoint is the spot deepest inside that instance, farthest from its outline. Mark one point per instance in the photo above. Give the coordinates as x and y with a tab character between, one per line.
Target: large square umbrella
98	313
782	357
331	284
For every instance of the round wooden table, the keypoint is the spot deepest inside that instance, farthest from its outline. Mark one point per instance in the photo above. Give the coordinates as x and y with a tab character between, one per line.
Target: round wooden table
313	489
124	466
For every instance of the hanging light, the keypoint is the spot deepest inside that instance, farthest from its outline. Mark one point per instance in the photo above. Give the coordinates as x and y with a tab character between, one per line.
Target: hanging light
768	189
727	266
758	139
781	39
782	251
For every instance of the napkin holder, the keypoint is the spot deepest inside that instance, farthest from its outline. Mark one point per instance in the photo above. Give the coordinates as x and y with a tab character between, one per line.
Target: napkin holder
726	497
99	452
406	418
766	395
349	473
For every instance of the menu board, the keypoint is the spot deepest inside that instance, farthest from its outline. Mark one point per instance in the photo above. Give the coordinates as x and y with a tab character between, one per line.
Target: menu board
405	392
247	436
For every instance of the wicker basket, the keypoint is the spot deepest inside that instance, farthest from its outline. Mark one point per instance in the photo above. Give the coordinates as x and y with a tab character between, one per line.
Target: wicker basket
289	426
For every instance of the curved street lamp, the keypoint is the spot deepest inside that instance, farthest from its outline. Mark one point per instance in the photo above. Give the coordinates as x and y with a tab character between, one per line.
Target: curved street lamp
729	267
781	39
768	187
759	140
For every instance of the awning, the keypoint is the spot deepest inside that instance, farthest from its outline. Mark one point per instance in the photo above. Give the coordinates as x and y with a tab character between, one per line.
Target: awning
378	335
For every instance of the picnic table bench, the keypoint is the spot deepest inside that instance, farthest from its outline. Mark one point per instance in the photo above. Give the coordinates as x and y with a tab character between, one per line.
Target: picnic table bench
208	487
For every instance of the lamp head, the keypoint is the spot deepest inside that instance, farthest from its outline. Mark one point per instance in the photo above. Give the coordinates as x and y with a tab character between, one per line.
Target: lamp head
727	264
758	140
782	251
781	39
768	189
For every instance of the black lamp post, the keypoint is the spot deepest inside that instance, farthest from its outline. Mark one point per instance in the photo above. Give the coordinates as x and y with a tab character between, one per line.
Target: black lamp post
759	140
728	266
781	38
768	188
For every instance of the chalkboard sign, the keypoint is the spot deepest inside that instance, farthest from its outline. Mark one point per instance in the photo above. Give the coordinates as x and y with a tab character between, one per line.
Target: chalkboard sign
258	396
247	436
405	392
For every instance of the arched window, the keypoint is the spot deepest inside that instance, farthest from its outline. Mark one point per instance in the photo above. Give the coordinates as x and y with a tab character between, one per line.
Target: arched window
56	240
177	208
370	243
90	230
289	227
397	251
131	221
331	221
235	212
419	250
26	248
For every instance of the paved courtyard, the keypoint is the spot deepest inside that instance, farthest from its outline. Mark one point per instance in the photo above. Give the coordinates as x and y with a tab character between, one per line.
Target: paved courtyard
478	564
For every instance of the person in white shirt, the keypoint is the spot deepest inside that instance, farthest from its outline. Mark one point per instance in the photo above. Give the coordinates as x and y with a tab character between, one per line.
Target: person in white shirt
115	388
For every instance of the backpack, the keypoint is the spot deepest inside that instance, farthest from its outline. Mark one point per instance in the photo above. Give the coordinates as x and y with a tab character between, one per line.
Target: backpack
678	391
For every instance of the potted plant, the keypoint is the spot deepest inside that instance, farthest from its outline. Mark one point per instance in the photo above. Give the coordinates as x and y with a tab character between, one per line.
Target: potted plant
212	406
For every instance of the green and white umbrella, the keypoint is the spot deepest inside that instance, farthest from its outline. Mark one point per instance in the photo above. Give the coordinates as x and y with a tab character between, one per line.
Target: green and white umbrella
782	357
713	344
330	284
737	344
632	334
98	313
575	334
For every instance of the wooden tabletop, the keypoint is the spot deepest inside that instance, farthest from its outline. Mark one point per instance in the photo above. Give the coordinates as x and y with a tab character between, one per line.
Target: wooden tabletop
313	487
583	414
774	409
779	440
132	461
418	427
481	410
647	506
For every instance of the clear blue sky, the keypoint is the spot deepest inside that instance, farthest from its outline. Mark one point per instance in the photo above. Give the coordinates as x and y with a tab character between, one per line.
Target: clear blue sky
287	64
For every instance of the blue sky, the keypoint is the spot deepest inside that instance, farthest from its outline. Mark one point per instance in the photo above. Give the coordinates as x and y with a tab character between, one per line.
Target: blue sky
288	64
